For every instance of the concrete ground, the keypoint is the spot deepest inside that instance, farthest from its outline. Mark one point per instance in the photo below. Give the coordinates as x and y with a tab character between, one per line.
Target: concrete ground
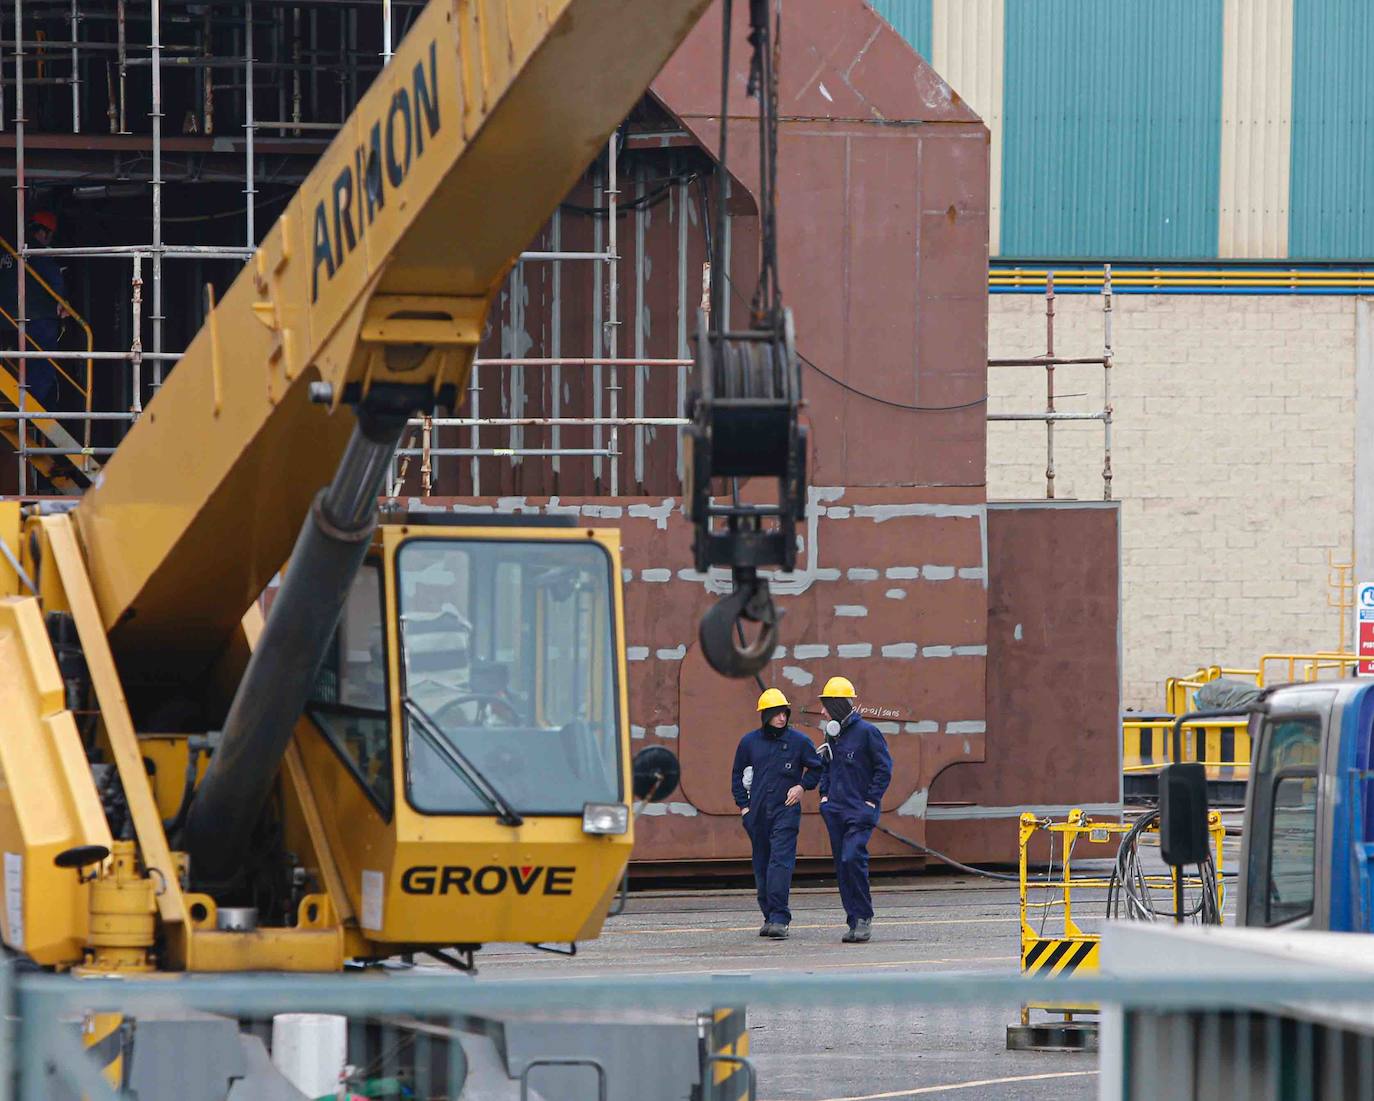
814	1053
925	924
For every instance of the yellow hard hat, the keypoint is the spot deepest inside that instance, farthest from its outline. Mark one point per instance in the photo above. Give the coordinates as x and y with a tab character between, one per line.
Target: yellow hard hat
838	686
772	698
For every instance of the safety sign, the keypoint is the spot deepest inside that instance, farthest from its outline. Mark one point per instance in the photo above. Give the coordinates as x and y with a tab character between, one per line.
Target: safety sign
1364	629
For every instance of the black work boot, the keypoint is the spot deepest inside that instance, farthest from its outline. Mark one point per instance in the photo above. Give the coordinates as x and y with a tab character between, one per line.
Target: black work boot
778	931
848	937
863	931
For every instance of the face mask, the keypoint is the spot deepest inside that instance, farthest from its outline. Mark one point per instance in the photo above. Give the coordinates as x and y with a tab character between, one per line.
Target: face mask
837	707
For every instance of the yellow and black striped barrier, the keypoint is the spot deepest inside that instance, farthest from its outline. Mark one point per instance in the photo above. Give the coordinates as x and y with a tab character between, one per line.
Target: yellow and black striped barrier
1059	955
724	1038
102	1035
1221	746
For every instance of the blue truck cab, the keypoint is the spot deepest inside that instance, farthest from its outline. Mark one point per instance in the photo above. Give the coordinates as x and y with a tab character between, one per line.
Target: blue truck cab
1309	811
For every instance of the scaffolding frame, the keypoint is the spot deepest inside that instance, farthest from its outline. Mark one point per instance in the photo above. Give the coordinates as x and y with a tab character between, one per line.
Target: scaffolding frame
1049	361
297	49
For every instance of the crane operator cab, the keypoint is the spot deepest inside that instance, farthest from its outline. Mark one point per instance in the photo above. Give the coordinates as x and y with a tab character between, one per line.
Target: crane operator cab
460	772
468	724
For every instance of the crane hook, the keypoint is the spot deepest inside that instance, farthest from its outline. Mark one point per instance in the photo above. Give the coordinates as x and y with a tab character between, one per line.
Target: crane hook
721	631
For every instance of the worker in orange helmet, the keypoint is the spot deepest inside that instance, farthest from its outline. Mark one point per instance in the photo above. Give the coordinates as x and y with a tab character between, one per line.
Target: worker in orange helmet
856	778
43	305
774	764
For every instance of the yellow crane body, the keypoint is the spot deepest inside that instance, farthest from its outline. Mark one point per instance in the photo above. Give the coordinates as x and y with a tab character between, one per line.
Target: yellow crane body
460	771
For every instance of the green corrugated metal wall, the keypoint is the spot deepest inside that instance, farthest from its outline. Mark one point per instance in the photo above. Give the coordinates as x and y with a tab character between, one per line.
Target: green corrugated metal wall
1112	117
1113	114
1331	202
911	18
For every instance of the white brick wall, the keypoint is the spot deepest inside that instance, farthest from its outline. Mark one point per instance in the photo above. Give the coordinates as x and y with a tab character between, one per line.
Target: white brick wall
1233	455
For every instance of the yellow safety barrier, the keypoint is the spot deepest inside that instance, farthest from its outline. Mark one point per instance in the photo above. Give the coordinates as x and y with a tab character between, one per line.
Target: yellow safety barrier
723	1036
104	1036
1070	948
1221	746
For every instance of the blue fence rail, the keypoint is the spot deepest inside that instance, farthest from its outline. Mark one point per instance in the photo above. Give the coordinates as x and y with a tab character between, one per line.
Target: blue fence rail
1286	1021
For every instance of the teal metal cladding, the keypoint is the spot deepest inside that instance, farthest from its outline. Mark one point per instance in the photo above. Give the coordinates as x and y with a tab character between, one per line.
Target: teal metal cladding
1112	128
1331	182
911	19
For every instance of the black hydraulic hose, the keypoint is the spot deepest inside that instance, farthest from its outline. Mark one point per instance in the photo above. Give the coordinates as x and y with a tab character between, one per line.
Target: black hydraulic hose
281	672
188	789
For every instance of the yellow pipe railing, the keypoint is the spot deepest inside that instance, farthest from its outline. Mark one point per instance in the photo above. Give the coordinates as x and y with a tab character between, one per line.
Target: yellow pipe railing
1311	664
83	390
1315	278
70	310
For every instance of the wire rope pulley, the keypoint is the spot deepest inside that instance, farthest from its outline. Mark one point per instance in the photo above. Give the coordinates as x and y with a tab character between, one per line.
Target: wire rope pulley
745	407
745	425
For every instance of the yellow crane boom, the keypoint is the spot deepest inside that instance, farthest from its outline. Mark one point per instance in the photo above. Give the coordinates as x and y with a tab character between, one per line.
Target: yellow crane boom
379	271
339	783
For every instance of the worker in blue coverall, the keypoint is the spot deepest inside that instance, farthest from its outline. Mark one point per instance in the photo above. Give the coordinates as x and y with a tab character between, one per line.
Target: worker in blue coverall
858	770
43	327
784	763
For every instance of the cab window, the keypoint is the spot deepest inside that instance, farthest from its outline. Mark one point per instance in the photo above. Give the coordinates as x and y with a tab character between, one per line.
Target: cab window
1281	877
1292	848
349	700
508	653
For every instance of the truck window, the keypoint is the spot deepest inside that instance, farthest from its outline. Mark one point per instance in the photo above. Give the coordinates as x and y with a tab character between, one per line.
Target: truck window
349	700
1292	849
1280	878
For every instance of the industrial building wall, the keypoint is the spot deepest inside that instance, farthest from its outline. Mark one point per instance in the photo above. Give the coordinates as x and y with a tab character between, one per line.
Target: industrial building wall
1178	129
1233	456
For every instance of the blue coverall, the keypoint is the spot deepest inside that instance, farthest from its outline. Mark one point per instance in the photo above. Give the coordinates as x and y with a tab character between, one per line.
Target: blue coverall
44	326
780	759
858	773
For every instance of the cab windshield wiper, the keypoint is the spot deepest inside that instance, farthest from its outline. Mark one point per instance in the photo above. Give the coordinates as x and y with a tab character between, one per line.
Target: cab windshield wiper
454	758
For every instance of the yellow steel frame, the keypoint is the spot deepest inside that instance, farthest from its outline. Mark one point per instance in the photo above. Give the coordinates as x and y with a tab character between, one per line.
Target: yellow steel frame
1068	833
1305	667
1152	738
71	311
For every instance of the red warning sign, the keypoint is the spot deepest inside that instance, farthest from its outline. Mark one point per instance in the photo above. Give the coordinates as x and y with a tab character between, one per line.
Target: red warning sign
1364	629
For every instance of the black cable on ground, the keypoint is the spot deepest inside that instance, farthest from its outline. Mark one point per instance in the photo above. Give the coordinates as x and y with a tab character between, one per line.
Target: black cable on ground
1005	876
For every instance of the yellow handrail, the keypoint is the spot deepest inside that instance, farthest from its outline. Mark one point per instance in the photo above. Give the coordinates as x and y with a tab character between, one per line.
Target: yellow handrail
1145	276
75	316
1313	663
39	348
